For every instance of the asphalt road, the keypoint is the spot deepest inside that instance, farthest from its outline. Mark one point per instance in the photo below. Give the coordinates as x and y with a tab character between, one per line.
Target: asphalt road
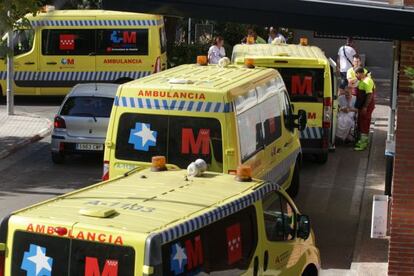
330	194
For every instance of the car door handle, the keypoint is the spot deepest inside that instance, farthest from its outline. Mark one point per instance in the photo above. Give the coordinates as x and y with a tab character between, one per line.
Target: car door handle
92	54
51	63
256	266
265	260
29	63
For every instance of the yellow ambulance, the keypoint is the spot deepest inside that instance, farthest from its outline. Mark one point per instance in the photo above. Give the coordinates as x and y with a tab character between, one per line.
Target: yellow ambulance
225	115
67	47
310	80
162	222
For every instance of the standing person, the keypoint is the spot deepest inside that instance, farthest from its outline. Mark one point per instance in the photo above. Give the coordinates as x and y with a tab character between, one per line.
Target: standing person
345	53
251	33
365	104
216	51
350	75
274	34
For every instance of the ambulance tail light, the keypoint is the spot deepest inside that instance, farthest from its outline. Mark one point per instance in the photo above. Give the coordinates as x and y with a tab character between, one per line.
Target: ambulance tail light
2	262
327	112
157	66
59	122
105	175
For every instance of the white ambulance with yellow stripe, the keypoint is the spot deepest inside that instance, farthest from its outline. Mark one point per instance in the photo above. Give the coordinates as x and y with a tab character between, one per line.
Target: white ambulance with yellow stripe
162	222
225	115
67	47
310	80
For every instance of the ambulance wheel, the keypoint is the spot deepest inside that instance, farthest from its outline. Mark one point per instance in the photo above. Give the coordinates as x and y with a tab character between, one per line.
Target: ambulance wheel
322	158
310	270
58	158
2	96
295	183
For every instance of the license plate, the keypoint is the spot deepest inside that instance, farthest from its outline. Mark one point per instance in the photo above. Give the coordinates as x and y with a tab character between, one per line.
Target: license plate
93	147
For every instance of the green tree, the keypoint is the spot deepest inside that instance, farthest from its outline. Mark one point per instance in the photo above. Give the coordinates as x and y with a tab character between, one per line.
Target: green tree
17	8
409	72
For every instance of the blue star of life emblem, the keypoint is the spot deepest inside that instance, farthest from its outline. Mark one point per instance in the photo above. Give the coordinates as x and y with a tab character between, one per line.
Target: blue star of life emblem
178	259
35	261
142	137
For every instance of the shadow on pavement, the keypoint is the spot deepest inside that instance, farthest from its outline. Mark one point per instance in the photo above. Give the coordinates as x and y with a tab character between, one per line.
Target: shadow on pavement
331	195
35	100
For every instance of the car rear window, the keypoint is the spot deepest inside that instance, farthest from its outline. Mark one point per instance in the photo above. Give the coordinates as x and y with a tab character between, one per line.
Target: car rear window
181	139
303	84
87	107
225	247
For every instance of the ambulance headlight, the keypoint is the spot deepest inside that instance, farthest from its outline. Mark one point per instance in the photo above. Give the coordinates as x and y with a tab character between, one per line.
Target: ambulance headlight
197	168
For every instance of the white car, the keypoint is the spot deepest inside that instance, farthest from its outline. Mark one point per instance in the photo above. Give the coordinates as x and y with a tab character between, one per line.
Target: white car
82	120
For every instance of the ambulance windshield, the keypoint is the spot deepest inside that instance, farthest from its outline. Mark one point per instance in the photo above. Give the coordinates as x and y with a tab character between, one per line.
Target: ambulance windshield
181	139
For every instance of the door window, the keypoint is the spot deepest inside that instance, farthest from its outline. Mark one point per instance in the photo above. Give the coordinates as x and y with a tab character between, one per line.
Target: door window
22	41
279	218
286	109
68	42
225	247
163	40
122	42
270	113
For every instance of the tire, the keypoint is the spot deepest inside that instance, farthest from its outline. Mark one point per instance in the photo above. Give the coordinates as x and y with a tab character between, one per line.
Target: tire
322	158
310	271
122	80
293	189
58	158
2	97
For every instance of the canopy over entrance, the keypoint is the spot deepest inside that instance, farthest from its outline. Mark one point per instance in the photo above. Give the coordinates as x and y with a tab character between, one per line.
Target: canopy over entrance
363	18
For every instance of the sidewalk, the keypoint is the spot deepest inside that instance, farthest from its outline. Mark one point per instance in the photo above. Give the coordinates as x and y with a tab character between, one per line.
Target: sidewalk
370	256
20	130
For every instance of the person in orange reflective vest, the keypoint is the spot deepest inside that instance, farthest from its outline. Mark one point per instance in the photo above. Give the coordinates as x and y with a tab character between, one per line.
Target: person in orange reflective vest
365	104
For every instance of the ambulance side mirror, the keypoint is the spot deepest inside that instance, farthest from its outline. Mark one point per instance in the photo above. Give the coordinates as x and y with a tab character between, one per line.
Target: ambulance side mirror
302	120
304	227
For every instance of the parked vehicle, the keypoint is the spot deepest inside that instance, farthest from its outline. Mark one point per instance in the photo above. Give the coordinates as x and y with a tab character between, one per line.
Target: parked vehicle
225	115
67	47
310	80
162	222
82	120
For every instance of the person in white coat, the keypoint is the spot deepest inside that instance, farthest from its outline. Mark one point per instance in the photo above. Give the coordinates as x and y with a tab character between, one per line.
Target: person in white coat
216	51
346	115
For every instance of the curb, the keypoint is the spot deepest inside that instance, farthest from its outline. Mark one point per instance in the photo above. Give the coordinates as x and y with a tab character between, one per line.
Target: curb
356	265
30	140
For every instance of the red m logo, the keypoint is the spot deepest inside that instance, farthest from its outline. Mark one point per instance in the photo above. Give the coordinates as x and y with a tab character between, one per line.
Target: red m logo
202	142
130	37
194	253
92	267
312	115
301	87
